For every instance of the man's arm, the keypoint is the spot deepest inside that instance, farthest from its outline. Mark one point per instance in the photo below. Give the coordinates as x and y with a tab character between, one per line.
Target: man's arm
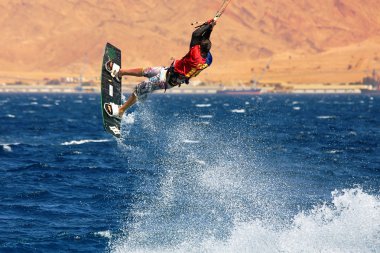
201	33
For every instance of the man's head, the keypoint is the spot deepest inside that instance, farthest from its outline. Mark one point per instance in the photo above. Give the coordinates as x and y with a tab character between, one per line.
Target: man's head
205	46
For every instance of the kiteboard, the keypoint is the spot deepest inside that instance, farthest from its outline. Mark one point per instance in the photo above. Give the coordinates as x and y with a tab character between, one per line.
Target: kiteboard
110	90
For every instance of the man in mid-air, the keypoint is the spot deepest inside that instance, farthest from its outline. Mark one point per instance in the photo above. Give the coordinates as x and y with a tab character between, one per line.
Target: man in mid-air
197	59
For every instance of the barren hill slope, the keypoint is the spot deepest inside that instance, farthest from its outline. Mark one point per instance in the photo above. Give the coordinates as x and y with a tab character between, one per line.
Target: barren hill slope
306	39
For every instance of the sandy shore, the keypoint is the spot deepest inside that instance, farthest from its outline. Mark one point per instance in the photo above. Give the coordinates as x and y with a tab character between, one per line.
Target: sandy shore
194	89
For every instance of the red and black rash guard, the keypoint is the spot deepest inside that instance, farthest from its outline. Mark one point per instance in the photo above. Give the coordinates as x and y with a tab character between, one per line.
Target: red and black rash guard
193	62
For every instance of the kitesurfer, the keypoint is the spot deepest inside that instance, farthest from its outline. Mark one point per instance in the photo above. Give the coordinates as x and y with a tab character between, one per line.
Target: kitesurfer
161	78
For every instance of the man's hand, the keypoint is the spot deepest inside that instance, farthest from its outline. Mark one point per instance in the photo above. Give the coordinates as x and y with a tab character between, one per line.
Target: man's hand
211	21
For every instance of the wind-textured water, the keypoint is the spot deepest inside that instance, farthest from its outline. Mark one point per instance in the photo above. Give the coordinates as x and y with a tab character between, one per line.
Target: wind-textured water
193	173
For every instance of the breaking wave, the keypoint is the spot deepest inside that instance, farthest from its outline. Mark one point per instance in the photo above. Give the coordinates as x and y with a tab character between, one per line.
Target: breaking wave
80	142
349	223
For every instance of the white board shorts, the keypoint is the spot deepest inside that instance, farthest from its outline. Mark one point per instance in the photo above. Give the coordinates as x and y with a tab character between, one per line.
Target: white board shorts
156	81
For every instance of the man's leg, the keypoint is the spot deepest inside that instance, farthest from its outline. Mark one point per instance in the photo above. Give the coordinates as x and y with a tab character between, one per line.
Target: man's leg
131	72
145	72
143	88
127	72
130	101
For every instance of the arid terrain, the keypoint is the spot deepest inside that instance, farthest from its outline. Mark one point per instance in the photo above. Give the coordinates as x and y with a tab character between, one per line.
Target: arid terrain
302	41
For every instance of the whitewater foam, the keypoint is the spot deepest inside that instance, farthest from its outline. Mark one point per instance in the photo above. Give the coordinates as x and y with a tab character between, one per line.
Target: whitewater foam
190	141
349	223
334	151
7	147
80	142
203	105
238	111
326	117
216	199
129	118
204	190
205	116
106	234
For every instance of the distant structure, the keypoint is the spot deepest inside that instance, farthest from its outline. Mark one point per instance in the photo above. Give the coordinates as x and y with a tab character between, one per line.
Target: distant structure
373	80
256	80
377	79
374	83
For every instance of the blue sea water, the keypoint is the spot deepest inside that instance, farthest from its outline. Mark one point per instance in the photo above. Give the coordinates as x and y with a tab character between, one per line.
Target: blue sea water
193	173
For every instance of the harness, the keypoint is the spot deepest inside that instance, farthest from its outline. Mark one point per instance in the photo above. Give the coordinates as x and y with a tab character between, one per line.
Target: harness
173	78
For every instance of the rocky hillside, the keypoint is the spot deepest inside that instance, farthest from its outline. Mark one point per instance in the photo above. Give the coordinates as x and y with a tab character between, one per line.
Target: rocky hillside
308	41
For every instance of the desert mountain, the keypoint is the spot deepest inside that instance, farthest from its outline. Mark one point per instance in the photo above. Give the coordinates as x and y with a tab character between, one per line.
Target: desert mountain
305	41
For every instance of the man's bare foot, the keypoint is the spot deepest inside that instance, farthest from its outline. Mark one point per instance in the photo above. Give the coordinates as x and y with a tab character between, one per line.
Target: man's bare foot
114	72
113	110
